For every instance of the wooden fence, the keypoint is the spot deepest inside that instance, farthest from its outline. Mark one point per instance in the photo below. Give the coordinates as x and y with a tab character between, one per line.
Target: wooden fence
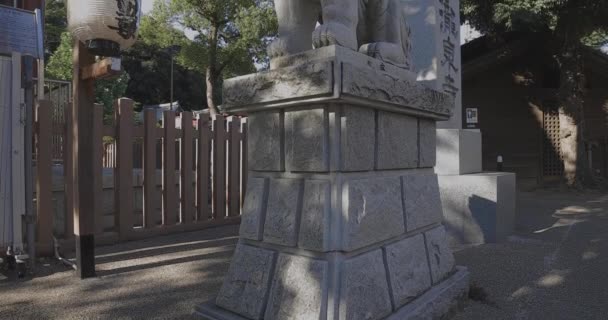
200	182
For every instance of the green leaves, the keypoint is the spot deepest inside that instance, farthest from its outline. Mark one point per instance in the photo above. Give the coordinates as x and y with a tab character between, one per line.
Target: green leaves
231	37
59	65
577	20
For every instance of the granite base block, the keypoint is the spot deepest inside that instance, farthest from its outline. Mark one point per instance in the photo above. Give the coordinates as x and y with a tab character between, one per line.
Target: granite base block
478	208
458	151
436	303
440	301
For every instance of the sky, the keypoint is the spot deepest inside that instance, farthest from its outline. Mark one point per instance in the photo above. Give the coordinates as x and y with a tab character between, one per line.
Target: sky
146	5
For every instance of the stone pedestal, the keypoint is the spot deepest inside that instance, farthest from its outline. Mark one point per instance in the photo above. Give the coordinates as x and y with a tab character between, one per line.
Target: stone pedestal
436	57
478	208
342	216
458	151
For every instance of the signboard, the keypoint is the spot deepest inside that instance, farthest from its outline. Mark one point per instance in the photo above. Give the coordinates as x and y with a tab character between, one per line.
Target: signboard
21	31
472	118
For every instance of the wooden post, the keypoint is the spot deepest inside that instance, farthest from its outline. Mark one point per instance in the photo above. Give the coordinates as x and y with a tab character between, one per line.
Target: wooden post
44	181
68	173
244	165
150	194
170	209
219	170
235	168
82	156
202	170
186	169
97	172
123	173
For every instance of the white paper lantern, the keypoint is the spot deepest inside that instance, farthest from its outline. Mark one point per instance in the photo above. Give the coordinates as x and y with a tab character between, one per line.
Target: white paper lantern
105	26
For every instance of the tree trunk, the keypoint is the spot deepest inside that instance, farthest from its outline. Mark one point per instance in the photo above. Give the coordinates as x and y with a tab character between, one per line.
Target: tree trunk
210	81
211	71
571	117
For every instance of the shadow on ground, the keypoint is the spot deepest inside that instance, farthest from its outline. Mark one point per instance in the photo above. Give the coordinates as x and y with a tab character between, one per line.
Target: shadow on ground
160	278
554	267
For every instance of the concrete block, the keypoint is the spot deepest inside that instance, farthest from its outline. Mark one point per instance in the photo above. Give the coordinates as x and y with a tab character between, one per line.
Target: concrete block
265	137
314	225
245	288
441	259
478	208
299	289
357	138
306	140
427	132
408	269
458	151
254	209
373	211
397	141
421	200
281	225
364	288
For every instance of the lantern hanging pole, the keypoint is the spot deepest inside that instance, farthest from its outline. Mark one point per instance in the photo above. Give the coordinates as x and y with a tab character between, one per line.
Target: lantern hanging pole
104	69
82	160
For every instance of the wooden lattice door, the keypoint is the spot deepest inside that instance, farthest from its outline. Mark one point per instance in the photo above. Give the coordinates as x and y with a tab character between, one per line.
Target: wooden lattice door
552	166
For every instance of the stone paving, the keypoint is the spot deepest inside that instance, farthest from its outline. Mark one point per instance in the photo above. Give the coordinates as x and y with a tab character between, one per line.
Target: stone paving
553	268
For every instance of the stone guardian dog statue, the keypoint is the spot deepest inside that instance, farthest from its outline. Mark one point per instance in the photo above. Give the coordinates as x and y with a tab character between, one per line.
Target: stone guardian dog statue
377	28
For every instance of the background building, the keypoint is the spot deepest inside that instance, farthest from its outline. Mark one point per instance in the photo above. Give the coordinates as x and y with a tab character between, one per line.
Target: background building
513	84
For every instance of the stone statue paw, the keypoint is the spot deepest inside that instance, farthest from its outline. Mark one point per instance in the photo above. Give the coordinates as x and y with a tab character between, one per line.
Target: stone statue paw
387	52
277	48
334	34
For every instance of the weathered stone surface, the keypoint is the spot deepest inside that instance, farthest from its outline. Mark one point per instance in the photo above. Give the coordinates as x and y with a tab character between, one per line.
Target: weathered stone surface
265	148
301	81
422	201
314	225
428	142
397	141
408	269
440	301
357	135
247	283
435	34
373	211
306	140
281	225
364	288
376	85
252	219
299	289
440	255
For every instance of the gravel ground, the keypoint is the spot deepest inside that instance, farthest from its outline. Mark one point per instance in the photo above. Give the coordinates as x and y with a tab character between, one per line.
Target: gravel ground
160	278
552	268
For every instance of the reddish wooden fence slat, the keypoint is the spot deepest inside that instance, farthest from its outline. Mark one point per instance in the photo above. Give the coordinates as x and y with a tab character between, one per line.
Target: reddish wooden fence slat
96	175
150	192
219	172
170	213
123	174
202	165
187	183
44	183
235	168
